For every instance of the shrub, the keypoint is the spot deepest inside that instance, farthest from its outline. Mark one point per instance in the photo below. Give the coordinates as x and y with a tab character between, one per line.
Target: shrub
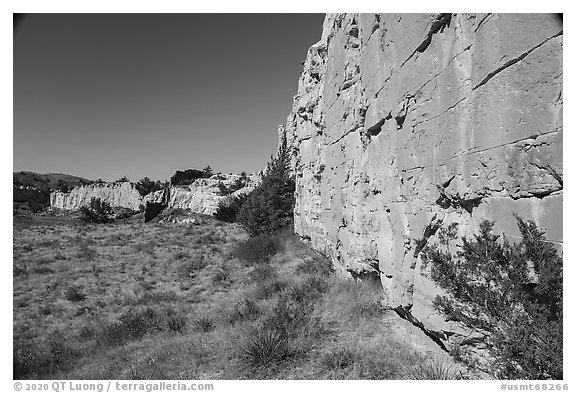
229	207
262	273
270	206
338	359
318	265
513	291
34	359
133	324
257	250
267	289
190	265
123	213
242	310
221	274
98	212
74	294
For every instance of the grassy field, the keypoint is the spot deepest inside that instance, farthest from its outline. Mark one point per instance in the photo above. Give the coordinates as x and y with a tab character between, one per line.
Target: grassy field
194	300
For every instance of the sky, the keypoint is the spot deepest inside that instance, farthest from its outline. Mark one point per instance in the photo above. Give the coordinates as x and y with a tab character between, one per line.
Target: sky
112	95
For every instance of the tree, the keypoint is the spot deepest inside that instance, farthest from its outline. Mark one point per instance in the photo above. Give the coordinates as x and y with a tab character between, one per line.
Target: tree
512	291
187	176
63	186
207	172
145	186
229	207
270	206
122	179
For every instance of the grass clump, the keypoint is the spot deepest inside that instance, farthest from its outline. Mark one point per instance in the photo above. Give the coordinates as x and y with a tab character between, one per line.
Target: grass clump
338	359
146	247
242	310
86	252
176	323
432	370
189	266
74	294
204	323
264	348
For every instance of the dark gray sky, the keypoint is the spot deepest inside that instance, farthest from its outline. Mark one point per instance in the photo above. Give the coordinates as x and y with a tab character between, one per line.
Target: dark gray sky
108	95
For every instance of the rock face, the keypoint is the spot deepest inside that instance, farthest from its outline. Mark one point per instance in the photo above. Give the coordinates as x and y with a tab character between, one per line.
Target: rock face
116	194
406	123
202	196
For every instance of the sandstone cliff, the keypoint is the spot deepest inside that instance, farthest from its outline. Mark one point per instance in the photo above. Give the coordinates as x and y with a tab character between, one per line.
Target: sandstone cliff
116	194
405	123
202	196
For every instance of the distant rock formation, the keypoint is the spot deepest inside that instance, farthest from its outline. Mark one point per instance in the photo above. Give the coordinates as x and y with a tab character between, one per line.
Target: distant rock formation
202	196
116	194
406	123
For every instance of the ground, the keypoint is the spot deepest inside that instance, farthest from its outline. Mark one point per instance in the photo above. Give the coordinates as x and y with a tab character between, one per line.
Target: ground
189	297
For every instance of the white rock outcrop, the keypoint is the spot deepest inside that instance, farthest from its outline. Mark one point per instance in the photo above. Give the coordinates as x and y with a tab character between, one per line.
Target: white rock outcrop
202	196
116	194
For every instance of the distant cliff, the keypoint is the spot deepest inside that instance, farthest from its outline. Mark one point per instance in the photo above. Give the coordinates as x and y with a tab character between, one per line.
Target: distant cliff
116	194
202	196
406	123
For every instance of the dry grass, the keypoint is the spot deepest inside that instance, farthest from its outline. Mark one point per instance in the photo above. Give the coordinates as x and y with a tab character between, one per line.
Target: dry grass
181	301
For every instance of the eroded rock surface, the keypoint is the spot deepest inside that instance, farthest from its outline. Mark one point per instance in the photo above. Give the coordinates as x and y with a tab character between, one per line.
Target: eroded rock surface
407	123
116	194
202	196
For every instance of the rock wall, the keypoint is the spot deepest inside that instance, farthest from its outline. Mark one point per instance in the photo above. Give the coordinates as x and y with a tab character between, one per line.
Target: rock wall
202	196
116	194
405	123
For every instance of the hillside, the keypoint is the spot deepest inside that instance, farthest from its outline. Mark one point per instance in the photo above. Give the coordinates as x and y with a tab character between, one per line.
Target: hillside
48	181
32	190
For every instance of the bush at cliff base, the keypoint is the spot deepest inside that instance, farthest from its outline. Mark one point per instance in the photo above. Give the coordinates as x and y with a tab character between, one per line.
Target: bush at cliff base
229	207
511	291
98	212
270	206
